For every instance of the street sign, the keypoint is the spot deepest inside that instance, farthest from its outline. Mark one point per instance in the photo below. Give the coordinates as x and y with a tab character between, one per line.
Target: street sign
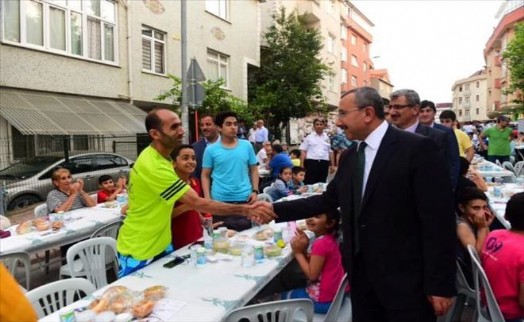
196	92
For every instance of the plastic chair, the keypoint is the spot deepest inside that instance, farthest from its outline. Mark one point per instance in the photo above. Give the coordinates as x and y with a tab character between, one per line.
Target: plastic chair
51	297
11	262
336	306
109	230
264	197
479	276
508	166
277	311
41	210
465	293
519	168
267	189
92	260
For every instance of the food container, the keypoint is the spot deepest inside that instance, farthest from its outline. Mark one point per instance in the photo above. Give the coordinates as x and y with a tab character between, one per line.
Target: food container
272	251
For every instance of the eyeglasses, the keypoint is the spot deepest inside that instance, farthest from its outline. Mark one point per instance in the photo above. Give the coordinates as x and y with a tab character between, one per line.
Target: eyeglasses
398	107
342	113
65	178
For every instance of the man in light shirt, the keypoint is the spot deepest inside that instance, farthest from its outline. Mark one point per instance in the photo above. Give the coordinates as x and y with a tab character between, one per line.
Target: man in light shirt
317	156
466	150
261	135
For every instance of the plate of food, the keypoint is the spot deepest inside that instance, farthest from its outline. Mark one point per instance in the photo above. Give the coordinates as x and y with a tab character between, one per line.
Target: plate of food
264	234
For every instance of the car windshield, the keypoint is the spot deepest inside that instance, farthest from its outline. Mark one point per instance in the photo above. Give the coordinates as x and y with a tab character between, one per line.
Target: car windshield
27	168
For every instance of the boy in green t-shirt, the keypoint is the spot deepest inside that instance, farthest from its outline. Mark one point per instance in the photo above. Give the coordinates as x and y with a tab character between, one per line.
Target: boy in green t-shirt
499	138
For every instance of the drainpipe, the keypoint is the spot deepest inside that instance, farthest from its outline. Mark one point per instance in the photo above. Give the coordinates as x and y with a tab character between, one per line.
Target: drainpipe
129	53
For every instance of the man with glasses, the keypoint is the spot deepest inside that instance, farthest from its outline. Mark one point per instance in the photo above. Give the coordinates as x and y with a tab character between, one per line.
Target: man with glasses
317	156
404	108
398	224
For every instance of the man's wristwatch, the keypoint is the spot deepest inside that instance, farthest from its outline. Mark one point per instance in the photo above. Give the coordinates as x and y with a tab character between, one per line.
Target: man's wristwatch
255	191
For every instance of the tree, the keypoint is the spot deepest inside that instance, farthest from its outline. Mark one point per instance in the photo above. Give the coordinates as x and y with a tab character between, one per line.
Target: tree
514	58
287	83
217	99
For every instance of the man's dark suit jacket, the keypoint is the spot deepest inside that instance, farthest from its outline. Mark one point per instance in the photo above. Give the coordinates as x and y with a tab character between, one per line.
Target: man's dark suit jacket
199	147
453	156
407	233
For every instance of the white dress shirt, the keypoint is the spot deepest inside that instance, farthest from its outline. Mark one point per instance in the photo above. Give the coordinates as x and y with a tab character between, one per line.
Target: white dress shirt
373	143
317	146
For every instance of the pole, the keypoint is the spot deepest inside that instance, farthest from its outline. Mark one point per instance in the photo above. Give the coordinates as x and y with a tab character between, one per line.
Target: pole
185	115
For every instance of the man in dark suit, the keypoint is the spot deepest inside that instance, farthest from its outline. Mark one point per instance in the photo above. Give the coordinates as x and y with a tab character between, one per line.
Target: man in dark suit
426	116
404	108
210	135
397	221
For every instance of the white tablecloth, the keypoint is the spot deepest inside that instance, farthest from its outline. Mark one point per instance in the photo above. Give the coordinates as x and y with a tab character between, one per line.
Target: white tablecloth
205	293
498	204
490	169
83	222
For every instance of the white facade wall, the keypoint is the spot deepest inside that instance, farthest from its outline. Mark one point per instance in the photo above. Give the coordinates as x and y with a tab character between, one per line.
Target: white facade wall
465	103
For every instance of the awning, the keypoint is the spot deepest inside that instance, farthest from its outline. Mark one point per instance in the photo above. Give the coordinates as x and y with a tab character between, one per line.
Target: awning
59	114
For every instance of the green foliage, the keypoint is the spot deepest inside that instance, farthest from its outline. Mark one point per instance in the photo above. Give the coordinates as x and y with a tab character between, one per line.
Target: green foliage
514	58
287	83
217	99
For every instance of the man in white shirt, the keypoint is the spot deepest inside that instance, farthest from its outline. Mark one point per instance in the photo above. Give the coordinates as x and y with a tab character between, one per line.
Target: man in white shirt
317	156
261	135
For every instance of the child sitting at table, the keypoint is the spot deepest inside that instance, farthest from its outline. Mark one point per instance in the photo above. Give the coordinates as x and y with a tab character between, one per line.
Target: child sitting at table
279	189
186	223
472	225
322	265
503	261
296	184
295	157
108	191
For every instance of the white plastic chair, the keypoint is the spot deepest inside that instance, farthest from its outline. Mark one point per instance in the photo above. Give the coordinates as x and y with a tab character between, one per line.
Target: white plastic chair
508	166
277	311
51	297
264	197
92	260
267	189
109	230
335	308
465	293
519	166
94	196
11	262
41	210
492	311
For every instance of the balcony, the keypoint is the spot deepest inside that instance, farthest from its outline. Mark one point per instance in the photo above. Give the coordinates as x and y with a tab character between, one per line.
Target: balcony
497	60
310	11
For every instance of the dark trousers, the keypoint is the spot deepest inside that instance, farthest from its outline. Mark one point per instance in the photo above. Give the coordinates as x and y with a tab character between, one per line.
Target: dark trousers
316	171
235	222
258	146
501	158
367	307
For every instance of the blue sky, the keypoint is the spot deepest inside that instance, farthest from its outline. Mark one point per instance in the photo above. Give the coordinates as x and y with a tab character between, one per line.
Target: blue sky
428	45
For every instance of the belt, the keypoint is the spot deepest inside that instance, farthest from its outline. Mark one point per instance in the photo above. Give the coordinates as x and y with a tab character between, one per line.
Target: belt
260	142
317	160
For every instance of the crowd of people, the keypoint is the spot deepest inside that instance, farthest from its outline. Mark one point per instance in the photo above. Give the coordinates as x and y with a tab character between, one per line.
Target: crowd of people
402	190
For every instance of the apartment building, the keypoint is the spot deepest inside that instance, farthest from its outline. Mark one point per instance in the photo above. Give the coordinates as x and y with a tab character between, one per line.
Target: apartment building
324	16
510	13
355	33
379	80
87	70
470	97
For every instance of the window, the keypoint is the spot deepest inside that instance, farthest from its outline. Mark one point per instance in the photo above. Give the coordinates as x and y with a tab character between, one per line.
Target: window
460	112
344	55
354	60
365	83
153	50
466	99
365	66
477	98
85	28
218	66
331	82
218	8
460	100
343	32
466	87
353	40
354	81
330	43
343	76
477	111
466	113
478	84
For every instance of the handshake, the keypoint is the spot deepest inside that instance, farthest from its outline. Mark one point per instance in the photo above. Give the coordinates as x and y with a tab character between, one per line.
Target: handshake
260	212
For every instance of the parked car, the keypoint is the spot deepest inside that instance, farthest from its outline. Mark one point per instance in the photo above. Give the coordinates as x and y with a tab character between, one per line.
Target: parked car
28	181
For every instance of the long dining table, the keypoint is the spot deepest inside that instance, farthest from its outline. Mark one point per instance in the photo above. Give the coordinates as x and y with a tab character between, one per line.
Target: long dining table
200	293
79	224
